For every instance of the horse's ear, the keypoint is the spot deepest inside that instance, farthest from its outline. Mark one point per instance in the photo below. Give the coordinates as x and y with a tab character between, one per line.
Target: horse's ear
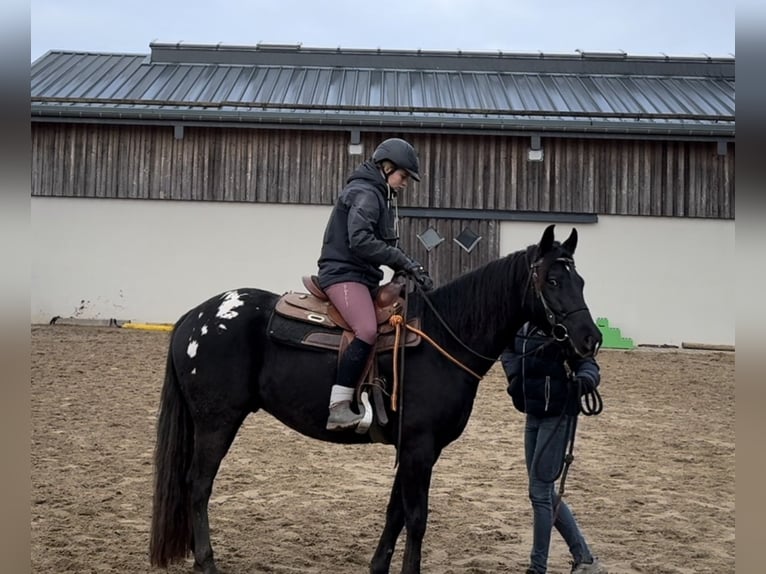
547	241
571	243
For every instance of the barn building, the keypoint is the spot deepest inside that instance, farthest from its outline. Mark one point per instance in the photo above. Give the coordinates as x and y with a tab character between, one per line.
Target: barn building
161	179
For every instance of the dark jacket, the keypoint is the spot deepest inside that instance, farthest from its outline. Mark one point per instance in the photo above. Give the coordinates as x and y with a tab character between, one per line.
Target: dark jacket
539	383
360	235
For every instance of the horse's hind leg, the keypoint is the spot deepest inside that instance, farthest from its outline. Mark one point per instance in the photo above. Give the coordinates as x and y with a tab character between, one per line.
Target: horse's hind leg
381	560
210	446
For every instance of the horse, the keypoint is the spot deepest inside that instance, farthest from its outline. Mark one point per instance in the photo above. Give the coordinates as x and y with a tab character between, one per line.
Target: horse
223	365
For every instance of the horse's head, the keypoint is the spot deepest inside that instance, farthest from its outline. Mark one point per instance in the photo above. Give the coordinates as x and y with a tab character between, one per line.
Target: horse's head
559	307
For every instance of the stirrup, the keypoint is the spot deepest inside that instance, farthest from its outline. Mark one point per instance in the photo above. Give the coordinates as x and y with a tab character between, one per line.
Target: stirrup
364	425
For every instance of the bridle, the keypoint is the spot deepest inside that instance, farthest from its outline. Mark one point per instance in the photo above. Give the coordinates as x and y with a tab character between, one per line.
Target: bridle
559	331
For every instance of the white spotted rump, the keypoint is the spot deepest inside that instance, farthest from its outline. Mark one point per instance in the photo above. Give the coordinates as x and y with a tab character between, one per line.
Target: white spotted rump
230	302
191	350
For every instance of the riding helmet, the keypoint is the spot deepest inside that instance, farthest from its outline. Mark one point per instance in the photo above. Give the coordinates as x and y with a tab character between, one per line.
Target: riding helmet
401	154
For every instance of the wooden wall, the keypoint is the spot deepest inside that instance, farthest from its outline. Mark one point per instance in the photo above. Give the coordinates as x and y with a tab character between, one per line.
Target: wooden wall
662	178
309	167
448	260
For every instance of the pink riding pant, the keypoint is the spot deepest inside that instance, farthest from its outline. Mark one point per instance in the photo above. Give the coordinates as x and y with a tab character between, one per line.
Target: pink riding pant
354	302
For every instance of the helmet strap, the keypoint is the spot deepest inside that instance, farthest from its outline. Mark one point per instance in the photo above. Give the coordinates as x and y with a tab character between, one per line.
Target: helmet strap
391	200
396	214
390	193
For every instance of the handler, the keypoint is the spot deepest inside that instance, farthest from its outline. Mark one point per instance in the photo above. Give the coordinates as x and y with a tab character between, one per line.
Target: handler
544	383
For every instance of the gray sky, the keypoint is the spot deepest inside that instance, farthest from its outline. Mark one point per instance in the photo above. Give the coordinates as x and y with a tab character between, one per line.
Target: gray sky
641	27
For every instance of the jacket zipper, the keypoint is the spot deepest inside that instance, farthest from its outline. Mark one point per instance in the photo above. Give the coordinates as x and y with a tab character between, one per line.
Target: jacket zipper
523	365
547	391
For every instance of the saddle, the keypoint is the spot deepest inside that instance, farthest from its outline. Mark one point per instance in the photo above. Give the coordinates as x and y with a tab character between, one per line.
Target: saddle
314	308
309	320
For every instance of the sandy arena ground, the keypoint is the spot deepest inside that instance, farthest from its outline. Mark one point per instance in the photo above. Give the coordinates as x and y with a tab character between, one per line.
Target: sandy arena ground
652	483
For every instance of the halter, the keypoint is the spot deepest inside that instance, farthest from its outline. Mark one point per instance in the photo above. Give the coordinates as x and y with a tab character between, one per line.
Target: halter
559	331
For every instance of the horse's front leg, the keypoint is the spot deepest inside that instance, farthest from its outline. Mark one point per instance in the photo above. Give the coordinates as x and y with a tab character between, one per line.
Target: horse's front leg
415	468
381	560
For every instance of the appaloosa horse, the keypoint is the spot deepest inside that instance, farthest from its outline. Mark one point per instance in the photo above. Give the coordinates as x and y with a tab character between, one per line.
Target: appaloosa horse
223	365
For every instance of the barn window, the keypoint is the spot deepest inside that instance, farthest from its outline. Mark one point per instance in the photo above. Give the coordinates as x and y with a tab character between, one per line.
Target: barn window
468	239
430	238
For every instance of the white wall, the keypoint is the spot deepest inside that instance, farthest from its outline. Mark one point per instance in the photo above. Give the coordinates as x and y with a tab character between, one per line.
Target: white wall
659	280
153	260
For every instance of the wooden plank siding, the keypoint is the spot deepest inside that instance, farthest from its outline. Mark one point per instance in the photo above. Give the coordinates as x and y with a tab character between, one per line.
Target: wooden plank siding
602	176
448	260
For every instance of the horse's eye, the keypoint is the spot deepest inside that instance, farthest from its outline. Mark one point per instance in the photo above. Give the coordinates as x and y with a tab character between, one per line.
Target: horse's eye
553	283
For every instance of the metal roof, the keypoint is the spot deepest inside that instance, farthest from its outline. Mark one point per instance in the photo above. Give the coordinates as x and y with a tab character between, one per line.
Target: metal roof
377	89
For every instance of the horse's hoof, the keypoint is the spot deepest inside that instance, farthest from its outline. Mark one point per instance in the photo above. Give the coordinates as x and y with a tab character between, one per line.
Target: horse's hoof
207	569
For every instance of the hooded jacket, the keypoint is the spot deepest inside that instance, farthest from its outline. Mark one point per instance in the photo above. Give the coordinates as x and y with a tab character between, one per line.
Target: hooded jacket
538	377
360	235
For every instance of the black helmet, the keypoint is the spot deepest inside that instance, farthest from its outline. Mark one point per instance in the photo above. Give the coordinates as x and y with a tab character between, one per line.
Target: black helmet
401	154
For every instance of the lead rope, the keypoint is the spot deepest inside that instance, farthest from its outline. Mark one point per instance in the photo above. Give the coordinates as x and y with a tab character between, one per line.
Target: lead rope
568	459
589	404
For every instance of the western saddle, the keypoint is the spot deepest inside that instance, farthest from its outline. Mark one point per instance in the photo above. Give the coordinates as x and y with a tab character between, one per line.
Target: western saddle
325	328
316	309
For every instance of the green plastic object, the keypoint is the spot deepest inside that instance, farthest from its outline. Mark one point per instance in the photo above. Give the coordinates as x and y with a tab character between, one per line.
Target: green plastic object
612	338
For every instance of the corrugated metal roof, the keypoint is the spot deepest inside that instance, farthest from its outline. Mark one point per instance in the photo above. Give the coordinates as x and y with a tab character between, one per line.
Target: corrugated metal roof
444	90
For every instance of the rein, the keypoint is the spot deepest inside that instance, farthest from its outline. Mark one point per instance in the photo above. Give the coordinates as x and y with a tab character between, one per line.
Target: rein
558	329
451	332
397	321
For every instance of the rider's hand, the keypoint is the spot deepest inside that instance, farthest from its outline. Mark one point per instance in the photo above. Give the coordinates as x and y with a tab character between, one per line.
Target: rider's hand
419	274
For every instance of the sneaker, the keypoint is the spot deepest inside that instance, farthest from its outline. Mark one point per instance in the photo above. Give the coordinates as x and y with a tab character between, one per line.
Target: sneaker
594	567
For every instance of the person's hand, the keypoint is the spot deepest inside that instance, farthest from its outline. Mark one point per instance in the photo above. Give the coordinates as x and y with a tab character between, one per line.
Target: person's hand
583	383
420	275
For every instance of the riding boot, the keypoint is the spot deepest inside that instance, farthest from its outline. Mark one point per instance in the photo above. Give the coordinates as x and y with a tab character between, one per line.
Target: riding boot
350	369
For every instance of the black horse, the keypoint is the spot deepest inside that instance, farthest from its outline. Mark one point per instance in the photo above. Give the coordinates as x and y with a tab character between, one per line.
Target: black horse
223	365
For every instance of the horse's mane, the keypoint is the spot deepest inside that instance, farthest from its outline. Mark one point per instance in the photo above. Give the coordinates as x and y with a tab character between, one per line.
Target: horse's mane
503	281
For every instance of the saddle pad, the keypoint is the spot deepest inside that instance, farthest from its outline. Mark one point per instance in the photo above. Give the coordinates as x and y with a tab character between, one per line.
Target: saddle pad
302	334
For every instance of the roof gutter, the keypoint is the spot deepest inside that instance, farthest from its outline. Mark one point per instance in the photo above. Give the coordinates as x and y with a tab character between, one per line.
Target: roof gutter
461	124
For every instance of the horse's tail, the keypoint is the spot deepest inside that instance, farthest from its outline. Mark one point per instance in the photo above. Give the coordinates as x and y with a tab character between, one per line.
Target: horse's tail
171	528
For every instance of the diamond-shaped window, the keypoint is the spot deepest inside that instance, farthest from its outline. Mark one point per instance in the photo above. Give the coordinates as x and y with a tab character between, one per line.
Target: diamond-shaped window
430	238
468	239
